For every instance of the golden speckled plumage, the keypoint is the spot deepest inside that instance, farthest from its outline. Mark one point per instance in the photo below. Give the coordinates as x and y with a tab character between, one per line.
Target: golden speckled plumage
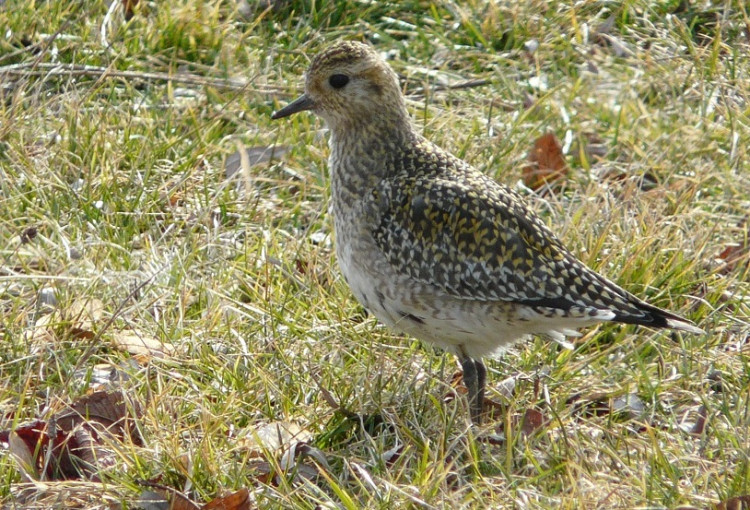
435	248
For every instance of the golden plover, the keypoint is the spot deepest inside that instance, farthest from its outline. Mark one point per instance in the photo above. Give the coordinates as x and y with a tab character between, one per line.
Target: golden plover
434	248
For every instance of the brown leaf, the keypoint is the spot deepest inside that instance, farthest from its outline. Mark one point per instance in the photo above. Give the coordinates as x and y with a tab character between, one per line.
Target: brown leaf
546	163
129	5
532	420
733	256
28	235
263	471
76	442
738	253
736	503
595	404
239	500
700	423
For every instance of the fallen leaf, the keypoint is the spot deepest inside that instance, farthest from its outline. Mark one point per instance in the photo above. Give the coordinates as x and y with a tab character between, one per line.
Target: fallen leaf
546	163
645	182
532	420
272	437
252	156
736	255
152	500
128	6
736	503
23	455
700	424
81	316
76	443
628	407
292	462
139	344
42	331
733	255
164	498
390	456
239	500
262	470
623	407
28	235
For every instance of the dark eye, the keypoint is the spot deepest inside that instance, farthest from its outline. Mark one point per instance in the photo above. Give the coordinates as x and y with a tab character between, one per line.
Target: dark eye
338	81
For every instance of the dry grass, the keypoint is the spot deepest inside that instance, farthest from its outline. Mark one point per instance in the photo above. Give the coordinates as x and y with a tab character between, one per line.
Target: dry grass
122	175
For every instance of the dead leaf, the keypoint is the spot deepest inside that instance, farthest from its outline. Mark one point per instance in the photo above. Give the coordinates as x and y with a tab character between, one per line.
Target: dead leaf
547	165
736	503
139	344
628	406
263	471
737	254
42	331
292	462
28	235
129	6
23	455
625	407
392	455
273	437
734	255
164	498
77	441
647	181
152	500
239	500
81	316
507	387
595	404
532	420
252	156
700	424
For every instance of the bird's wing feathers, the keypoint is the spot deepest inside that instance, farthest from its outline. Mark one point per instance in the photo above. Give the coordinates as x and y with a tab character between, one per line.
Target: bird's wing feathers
475	239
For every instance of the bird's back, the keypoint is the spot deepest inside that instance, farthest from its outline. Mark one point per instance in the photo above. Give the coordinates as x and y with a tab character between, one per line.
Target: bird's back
445	224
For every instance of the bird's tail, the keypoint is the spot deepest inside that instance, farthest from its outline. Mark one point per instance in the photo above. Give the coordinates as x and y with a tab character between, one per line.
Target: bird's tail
657	318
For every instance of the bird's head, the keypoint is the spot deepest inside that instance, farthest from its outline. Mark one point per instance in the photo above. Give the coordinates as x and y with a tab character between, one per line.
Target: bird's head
349	84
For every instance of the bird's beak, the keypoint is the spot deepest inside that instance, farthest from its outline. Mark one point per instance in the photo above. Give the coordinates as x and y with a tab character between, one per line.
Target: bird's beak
302	103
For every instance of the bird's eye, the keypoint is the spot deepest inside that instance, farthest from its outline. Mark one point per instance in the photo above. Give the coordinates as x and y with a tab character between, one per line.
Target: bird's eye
338	81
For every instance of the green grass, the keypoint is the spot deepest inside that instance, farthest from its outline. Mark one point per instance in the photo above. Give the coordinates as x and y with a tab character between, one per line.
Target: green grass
122	175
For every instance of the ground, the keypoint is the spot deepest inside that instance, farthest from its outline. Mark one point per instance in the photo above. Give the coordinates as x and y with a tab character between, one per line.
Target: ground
146	193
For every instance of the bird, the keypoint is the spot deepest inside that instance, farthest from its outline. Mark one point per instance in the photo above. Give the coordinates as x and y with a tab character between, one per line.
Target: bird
436	249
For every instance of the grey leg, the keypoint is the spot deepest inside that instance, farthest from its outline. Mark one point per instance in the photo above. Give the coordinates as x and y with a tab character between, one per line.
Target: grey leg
474	379
481	380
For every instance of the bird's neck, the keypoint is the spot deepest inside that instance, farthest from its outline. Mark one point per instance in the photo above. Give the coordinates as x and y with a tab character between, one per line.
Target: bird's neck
363	155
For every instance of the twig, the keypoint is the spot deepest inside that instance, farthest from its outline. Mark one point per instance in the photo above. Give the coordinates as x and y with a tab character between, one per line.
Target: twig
468	84
48	69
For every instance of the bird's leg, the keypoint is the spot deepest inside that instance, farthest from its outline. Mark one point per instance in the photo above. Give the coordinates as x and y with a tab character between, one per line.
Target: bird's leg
481	380
474	378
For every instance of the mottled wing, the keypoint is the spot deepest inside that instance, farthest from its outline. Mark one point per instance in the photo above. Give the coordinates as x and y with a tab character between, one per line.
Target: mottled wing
474	238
